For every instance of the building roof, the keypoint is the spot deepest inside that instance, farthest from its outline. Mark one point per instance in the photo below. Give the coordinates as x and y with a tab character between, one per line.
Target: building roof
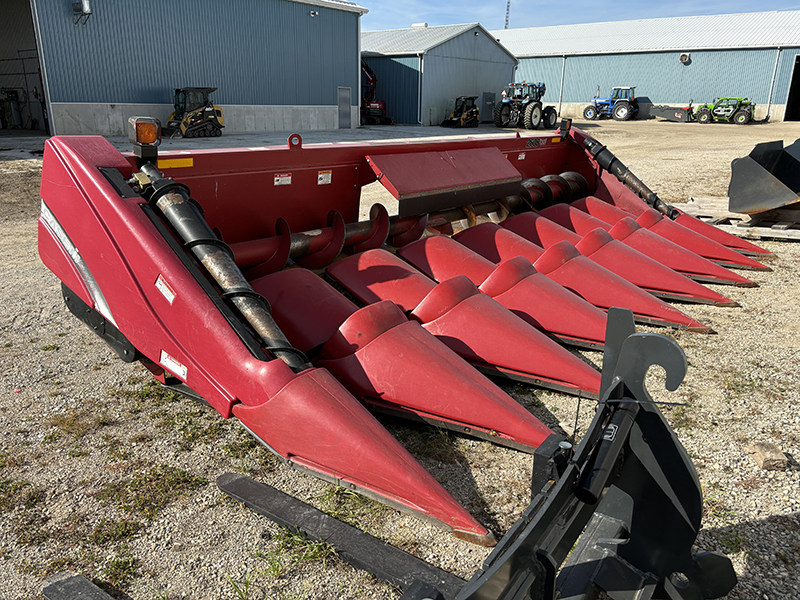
336	4
710	32
413	40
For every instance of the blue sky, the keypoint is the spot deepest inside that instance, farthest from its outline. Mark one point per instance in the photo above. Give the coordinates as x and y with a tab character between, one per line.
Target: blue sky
397	14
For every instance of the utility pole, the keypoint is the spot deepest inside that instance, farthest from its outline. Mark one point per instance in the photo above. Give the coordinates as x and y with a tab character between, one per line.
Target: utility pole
508	12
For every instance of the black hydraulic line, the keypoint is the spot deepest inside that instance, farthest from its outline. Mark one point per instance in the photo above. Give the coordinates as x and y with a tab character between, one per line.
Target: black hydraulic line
606	159
180	210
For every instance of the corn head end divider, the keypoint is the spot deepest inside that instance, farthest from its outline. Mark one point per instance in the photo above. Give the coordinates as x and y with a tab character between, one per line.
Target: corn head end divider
244	278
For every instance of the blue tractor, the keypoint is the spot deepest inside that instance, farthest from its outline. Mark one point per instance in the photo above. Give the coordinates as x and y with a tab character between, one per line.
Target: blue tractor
621	106
522	106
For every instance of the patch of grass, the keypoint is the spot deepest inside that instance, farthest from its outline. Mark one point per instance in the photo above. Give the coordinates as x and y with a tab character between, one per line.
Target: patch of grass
114	531
7	345
14	494
682	418
152	393
8	461
122	570
51	438
149	492
352	508
50	348
78	423
31	530
732	542
432	443
300	549
194	425
241	588
116	449
77	452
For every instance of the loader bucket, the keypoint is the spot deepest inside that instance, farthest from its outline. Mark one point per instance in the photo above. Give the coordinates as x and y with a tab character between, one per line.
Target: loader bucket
637	268
474	325
766	179
516	285
671	230
562	263
648	243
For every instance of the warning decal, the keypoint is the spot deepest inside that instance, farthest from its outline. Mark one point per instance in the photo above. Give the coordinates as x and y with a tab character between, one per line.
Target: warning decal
323	177
283	178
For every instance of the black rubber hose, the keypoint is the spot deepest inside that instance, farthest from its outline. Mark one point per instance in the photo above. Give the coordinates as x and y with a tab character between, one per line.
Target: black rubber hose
606	159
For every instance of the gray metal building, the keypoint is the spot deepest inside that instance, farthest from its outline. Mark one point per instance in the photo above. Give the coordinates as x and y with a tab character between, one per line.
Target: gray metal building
671	60
277	64
420	71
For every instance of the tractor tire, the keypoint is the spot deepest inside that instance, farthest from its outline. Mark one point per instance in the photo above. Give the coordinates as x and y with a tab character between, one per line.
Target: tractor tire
704	116
549	117
622	111
590	113
741	117
502	114
533	115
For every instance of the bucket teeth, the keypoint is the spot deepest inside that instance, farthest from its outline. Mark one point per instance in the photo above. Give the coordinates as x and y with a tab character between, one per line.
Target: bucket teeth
314	424
515	284
392	364
655	222
562	263
472	324
633	235
600	247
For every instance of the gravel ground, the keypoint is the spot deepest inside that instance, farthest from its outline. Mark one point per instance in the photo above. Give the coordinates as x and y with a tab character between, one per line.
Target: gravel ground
104	474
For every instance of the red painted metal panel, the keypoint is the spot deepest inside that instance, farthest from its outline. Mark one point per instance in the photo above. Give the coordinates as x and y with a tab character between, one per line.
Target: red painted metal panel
432	181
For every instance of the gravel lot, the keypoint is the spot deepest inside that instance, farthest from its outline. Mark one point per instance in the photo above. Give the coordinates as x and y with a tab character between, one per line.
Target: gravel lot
102	473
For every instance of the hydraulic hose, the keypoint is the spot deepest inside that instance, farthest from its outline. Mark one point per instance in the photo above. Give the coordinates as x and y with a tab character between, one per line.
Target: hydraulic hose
606	159
181	211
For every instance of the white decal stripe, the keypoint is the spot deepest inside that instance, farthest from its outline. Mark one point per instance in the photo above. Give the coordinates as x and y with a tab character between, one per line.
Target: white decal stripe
55	227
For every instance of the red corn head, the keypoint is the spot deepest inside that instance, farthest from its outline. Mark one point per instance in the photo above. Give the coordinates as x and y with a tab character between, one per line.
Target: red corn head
311	420
562	263
631	234
393	364
472	324
615	192
516	285
599	246
654	221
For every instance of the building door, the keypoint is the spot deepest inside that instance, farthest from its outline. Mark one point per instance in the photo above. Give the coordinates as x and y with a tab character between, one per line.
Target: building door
487	107
344	108
793	100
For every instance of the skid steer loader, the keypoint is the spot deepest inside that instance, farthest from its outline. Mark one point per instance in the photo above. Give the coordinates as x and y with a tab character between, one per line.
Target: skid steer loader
195	115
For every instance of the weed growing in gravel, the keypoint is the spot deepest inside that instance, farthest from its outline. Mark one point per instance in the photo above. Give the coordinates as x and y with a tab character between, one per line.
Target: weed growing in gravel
354	509
196	425
149	492
50	348
15	494
79	422
114	531
122	570
241	588
300	549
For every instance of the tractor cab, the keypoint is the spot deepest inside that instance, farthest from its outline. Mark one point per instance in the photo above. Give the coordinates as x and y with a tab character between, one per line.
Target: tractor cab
623	93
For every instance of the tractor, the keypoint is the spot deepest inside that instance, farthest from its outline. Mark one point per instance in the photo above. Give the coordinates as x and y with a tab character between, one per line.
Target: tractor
621	105
726	110
522	105
195	115
465	113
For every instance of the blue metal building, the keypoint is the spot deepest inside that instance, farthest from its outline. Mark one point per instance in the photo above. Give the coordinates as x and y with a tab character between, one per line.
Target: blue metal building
670	60
420	71
277	64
